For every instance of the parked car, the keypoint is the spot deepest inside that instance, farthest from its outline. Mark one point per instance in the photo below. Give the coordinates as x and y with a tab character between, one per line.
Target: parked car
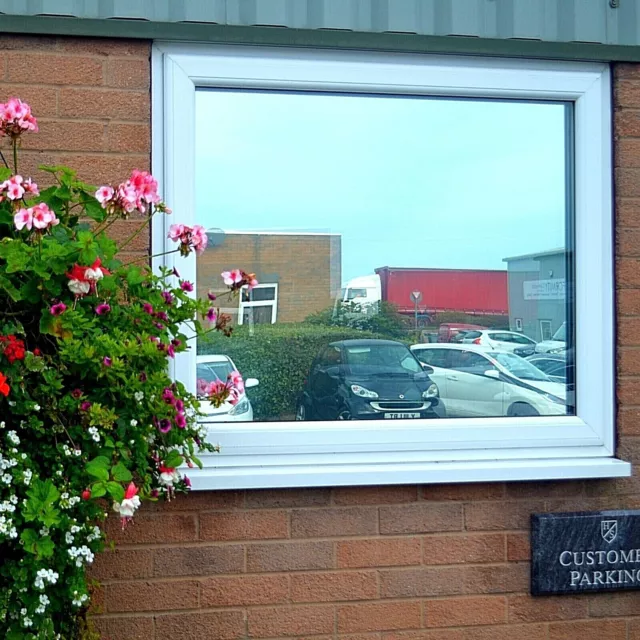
448	332
501	340
557	344
367	379
553	364
218	367
476	381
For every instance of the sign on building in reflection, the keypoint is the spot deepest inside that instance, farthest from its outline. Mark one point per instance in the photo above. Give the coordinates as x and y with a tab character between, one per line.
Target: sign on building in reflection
553	289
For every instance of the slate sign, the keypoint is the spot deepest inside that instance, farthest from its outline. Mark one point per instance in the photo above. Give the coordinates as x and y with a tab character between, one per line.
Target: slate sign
585	552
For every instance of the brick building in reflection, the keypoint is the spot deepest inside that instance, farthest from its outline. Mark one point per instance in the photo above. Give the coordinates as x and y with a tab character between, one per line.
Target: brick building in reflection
299	273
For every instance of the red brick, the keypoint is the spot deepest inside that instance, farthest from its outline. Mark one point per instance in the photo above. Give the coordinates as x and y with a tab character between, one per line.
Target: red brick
128	138
11	42
629	332
47	68
627	212
423	582
290	556
124	231
123	597
543	490
627	123
123	564
493	516
42	100
507	632
3	67
627	93
628	361
251	525
461	612
473	492
528	609
425	634
608	605
155	529
126	628
600	629
420	518
510	578
629	422
334	586
286	498
628	302
634	629
628	242
56	135
112	104
105	46
198	560
622	70
270	622
128	73
628	391
375	495
338	521
218	625
200	500
518	547
459	549
627	273
244	590
385	616
379	552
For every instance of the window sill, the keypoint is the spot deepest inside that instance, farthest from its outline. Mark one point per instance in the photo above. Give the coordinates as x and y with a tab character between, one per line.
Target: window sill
272	477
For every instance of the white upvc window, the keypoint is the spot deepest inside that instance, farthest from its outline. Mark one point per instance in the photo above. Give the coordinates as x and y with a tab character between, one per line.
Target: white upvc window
577	442
258	305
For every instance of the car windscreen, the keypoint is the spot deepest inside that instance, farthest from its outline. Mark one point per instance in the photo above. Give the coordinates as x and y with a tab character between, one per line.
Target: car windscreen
212	371
561	333
519	367
387	358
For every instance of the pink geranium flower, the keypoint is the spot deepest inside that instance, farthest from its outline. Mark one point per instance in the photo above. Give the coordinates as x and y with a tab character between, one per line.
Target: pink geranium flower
190	238
231	277
22	219
16	118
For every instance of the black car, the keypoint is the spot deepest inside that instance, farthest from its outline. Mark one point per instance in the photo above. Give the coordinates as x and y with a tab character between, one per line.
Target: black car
368	379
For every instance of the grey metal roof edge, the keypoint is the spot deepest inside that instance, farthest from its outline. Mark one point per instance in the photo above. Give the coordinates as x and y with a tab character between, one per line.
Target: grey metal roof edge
323	38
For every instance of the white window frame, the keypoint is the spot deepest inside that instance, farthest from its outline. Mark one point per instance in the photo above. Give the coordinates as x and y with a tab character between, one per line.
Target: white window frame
260	303
288	454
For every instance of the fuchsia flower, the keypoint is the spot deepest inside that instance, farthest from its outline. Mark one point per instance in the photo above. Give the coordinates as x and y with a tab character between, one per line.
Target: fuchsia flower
185	285
16	118
82	280
58	309
212	296
128	506
190	238
103	309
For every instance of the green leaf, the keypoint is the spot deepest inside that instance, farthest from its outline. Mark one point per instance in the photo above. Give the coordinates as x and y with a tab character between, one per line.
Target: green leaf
98	490
174	459
33	363
98	468
135	276
45	547
116	491
29	539
120	473
93	209
7	286
5	173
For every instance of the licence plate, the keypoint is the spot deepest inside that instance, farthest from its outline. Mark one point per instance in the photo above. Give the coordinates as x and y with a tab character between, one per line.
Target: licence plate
399	416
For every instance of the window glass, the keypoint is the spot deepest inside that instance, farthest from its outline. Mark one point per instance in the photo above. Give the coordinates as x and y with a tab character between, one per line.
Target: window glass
378	222
433	357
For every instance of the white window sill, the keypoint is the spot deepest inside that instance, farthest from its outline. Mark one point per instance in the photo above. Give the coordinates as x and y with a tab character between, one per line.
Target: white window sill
211	478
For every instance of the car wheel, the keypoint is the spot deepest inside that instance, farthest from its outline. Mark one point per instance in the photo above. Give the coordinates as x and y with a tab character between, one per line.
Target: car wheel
344	414
520	409
301	412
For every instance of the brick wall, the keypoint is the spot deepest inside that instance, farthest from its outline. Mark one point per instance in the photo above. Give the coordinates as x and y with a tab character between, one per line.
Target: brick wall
306	268
391	563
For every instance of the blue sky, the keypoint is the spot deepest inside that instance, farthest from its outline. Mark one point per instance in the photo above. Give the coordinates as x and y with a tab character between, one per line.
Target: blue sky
407	182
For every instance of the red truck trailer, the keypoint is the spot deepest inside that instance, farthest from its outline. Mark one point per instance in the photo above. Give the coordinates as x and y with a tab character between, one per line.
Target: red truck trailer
472	291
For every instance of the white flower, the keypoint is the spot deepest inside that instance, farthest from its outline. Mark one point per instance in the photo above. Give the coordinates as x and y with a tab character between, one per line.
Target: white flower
27	622
127	507
79	288
68	537
138	395
36	407
6	478
43	575
169	477
28	474
12	436
93	274
134	423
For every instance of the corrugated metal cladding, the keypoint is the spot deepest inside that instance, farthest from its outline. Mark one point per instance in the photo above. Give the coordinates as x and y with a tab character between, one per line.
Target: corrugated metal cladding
591	21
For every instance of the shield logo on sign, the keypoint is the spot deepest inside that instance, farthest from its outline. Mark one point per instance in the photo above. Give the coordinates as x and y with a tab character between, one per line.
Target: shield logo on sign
609	530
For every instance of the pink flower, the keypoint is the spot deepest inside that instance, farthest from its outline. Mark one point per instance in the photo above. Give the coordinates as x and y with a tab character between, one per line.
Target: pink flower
181	421
165	425
103	309
128	506
85	406
104	194
22	219
212	296
16	118
43	217
185	285
147	308
106	361
31	187
202	387
236	381
232	277
168	297
211	315
14	187
58	309
175	232
190	238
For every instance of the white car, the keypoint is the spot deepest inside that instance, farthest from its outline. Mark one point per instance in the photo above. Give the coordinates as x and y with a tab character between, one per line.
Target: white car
216	367
500	340
557	344
475	381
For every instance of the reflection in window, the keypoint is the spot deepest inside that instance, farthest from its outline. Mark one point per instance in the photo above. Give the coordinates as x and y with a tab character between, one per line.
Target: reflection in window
436	232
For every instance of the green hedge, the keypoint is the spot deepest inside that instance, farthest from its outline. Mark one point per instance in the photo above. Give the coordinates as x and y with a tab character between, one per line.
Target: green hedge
280	356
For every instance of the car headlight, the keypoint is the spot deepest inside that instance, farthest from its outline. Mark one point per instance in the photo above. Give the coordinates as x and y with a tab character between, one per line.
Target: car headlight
432	391
242	407
357	390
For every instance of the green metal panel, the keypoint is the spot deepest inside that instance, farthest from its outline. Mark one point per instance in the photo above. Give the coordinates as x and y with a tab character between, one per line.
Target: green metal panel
581	29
